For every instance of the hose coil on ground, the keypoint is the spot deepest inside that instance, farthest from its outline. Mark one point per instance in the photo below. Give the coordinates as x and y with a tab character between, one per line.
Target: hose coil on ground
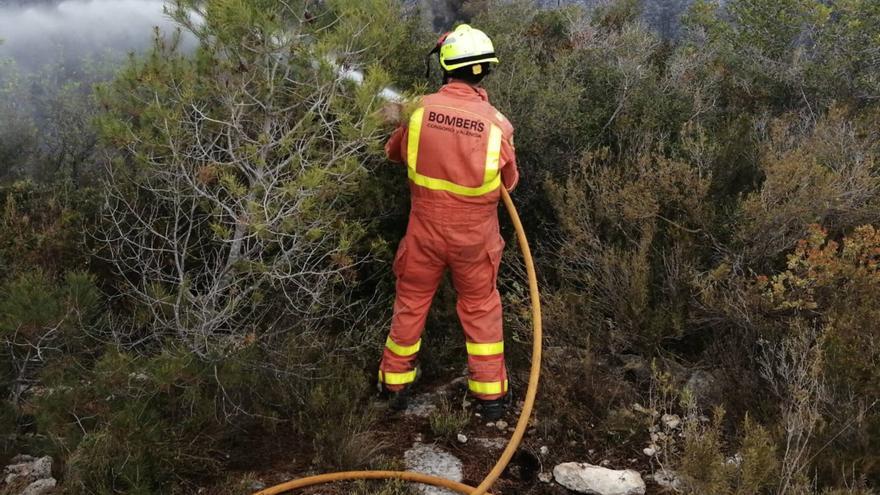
521	425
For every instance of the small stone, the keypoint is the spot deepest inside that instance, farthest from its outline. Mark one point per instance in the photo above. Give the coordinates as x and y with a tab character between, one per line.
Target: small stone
256	486
735	460
605	462
501	424
545	477
461	438
490	425
591	451
671	421
649	451
418	437
544	450
40	487
490	443
668	479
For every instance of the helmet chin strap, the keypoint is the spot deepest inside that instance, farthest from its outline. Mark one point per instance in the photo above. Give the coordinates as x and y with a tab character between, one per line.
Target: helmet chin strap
436	49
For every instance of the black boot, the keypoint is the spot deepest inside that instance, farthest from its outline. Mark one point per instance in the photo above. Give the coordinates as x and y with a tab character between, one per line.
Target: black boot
493	410
398	401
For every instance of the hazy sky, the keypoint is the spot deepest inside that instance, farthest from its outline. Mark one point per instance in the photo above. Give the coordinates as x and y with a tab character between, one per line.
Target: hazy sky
34	35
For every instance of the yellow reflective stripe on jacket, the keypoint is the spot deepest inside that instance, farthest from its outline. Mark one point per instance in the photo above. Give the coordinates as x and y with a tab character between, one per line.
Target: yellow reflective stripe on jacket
487	388
490	349
445	185
403	350
491	174
493	155
391	378
412	140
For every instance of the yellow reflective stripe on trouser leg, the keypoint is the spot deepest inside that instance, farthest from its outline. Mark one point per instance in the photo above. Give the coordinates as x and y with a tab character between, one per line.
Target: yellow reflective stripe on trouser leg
487	388
391	378
403	350
490	349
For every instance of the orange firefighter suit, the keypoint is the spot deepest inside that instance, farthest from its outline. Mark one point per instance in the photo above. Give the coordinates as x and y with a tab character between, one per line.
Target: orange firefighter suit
459	151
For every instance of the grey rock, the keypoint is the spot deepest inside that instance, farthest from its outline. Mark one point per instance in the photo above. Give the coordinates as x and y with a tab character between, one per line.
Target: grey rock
429	459
596	480
422	406
40	487
671	421
490	443
28	468
668	479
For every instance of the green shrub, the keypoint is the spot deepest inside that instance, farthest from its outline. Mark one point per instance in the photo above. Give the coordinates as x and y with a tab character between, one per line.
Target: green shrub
338	419
42	227
448	421
133	423
42	320
709	466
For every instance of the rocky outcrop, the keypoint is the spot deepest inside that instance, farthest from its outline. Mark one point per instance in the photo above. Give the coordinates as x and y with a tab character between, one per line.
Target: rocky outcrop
29	476
596	480
430	459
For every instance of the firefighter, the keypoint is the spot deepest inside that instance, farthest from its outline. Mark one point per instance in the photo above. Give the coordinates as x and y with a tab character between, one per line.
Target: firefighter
458	150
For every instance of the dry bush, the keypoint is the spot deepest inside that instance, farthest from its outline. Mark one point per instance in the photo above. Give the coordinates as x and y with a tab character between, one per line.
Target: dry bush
708	464
794	370
827	297
822	172
629	232
703	462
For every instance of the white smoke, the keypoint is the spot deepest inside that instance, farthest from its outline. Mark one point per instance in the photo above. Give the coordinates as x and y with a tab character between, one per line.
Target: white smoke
36	34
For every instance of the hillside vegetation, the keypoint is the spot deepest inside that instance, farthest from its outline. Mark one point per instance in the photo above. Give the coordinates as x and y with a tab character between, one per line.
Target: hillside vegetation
195	255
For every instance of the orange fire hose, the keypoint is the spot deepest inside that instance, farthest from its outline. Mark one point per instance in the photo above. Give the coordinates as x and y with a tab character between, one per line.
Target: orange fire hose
521	424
